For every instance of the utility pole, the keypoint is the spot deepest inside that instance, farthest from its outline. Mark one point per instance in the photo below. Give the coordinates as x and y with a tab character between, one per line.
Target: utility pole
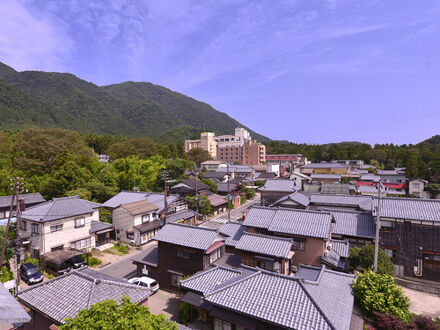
5	239
165	204
376	241
197	196
229	195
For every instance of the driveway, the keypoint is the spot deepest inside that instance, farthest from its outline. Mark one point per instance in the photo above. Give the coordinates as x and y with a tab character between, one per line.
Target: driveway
423	303
165	302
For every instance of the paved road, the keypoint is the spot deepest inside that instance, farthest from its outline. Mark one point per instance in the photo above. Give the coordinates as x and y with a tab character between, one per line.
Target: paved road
123	268
238	212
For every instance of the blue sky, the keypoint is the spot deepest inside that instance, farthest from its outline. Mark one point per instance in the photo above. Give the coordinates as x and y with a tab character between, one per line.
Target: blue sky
306	71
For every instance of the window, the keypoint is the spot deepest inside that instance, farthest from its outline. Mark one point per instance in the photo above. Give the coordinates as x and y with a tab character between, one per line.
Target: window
130	235
80	222
175	278
221	325
389	252
57	227
35	228
82	243
215	255
266	264
182	254
145	218
299	245
23	225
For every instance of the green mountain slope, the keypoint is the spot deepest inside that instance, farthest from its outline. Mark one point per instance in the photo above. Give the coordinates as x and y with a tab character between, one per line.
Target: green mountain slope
50	99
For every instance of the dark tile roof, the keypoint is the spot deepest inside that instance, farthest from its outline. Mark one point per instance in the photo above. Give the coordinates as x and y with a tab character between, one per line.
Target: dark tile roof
208	280
279	185
66	295
185	235
148	226
149	256
99	225
215	175
131	196
409	208
223	187
341	247
355	224
32	198
264	244
233	230
182	215
140	207
290	221
326	165
217	200
362	202
59	208
297	197
192	184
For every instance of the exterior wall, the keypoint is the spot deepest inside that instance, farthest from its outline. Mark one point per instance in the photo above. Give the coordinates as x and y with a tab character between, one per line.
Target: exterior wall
250	259
168	260
254	153
122	221
245	322
269	197
230	154
67	235
38	321
411	242
416	188
401	178
209	144
330	170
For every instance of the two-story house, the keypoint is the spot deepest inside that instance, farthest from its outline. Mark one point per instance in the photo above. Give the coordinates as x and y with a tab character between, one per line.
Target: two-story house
59	223
190	187
310	230
136	223
28	200
181	250
273	190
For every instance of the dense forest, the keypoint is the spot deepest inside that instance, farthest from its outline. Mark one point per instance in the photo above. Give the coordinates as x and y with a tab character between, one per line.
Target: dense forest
133	109
59	162
421	160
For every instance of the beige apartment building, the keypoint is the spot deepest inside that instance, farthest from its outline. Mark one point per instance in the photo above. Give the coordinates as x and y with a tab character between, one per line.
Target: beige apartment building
238	148
59	223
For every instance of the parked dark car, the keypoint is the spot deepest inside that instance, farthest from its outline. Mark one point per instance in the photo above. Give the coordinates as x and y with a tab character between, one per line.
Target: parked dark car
76	262
56	268
30	273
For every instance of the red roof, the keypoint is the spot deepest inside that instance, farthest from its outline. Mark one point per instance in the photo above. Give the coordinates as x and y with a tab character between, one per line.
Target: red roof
214	246
395	185
364	183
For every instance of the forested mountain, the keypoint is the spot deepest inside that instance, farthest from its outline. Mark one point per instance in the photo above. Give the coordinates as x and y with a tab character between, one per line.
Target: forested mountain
132	109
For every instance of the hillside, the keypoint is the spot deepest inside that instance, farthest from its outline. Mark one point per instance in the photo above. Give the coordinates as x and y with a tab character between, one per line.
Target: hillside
132	109
435	140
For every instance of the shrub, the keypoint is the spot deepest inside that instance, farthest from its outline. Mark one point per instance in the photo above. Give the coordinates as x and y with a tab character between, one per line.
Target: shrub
387	322
364	258
379	293
184	313
93	261
243	199
424	322
6	275
34	261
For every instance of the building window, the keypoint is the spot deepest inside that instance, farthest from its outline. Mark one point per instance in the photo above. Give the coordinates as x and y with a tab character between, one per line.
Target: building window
82	243
182	254
215	255
221	325
175	279
55	228
130	235
389	253
299	245
80	222
35	228
145	218
23	225
266	264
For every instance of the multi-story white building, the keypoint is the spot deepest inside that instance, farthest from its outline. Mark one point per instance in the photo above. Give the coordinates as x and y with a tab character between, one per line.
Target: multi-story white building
59	223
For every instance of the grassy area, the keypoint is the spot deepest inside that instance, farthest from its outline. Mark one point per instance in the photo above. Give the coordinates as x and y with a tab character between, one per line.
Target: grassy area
6	275
119	249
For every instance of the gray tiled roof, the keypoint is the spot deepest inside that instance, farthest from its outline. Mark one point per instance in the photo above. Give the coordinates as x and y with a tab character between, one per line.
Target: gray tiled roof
149	256
326	176
233	230
185	235
181	215
223	187
355	224
409	208
191	184
32	198
125	197
66	295
325	165
340	200
332	188
334	296
10	309
279	185
59	208
217	200
309	273
290	221
264	244
208	280
274	298
296	197
215	175
99	225
341	247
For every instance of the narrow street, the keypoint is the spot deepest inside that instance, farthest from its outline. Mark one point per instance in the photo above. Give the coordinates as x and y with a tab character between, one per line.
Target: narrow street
238	212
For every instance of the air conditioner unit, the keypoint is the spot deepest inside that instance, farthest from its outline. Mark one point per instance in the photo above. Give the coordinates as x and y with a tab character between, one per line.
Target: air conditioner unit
294	269
326	253
329	246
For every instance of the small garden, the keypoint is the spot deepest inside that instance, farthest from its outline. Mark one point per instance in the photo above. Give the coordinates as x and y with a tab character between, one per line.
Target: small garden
119	249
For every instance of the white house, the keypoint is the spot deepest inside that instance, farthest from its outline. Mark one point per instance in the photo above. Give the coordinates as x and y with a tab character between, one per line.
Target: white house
417	187
59	223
